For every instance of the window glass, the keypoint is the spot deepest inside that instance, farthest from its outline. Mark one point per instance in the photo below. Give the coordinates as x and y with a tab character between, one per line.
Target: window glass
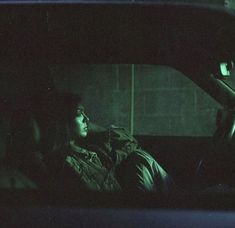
145	99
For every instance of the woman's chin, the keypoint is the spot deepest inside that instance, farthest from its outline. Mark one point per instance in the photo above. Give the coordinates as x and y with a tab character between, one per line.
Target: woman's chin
83	135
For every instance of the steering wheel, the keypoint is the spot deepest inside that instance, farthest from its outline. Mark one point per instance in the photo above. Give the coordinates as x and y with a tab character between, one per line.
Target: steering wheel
217	167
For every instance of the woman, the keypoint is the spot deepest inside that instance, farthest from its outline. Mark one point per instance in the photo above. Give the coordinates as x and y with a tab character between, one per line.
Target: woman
115	163
76	166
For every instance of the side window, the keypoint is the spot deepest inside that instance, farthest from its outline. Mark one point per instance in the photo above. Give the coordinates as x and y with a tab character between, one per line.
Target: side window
168	103
145	99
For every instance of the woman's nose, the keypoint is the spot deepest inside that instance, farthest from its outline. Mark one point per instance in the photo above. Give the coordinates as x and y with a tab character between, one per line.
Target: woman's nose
85	118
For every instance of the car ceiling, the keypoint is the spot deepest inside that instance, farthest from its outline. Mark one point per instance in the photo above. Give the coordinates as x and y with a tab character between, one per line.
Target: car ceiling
174	35
192	39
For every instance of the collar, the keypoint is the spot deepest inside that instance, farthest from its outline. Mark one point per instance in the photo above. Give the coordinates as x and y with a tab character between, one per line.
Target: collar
78	149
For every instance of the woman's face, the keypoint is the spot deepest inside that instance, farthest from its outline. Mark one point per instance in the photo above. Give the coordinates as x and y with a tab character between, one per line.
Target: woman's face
81	123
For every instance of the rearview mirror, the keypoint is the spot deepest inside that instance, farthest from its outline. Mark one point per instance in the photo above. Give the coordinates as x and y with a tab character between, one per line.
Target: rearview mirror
225	68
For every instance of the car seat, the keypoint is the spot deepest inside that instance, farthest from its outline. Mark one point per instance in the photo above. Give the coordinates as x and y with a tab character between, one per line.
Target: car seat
24	147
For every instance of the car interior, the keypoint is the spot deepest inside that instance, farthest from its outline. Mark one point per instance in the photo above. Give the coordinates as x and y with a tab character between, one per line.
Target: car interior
161	70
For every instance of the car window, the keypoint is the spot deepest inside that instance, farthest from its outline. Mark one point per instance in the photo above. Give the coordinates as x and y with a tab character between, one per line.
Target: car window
145	99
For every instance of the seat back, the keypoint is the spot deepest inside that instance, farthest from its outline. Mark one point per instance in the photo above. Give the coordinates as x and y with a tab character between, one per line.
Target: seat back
24	147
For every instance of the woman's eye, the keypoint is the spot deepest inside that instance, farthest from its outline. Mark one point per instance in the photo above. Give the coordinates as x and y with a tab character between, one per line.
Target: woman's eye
79	114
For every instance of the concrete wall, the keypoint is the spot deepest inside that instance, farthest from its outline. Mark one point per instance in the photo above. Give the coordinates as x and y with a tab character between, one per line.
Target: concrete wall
165	101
